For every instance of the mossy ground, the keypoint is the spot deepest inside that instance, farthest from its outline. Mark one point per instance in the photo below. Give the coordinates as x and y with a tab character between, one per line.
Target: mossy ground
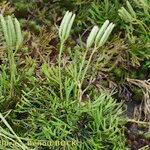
114	111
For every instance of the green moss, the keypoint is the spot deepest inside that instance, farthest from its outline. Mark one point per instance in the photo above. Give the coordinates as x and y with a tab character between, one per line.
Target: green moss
137	94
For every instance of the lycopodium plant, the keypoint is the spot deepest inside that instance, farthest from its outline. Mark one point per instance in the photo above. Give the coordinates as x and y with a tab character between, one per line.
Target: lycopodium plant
13	39
64	31
131	19
97	38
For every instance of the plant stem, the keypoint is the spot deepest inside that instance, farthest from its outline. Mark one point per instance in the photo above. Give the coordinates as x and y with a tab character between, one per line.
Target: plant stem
12	66
87	66
59	65
138	122
79	74
82	64
85	70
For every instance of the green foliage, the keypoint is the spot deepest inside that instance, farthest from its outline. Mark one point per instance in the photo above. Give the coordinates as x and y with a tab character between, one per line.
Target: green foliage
58	85
7	135
92	125
13	39
136	17
55	107
103	10
131	18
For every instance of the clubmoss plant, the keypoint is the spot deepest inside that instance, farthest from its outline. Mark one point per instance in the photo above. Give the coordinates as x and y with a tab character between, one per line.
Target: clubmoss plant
13	39
98	38
130	17
48	105
64	31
